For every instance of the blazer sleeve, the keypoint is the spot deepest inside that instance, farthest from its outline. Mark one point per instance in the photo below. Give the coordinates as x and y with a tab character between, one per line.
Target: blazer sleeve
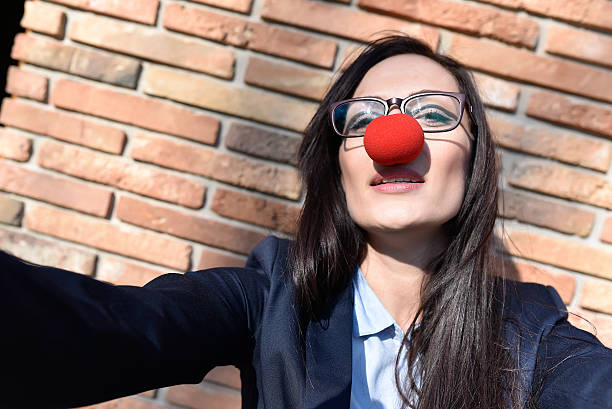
573	370
77	341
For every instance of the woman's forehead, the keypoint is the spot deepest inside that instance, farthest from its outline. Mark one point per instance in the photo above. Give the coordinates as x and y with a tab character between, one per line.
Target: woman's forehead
403	75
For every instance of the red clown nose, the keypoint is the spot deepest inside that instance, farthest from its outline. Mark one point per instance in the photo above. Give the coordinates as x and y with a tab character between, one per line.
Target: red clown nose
394	139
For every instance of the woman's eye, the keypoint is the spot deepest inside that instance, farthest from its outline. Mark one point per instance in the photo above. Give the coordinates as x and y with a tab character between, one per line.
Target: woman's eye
363	122
433	117
360	122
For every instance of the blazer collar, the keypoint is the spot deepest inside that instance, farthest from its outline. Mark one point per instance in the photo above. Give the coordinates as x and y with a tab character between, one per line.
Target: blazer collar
328	356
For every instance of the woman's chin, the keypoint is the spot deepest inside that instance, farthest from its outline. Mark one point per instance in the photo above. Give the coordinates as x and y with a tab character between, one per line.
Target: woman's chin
397	226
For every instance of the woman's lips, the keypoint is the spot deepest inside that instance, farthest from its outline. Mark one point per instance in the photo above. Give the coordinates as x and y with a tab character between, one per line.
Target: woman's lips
397	187
396	181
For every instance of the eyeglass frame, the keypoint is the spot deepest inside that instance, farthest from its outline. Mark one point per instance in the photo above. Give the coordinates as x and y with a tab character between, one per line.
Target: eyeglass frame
401	103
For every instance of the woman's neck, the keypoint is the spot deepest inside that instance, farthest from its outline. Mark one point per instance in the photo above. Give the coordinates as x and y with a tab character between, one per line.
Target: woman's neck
394	267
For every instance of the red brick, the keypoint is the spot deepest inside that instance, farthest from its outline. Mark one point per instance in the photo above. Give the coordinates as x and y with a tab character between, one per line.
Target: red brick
255	36
213	258
11	211
154	45
606	231
568	254
576	150
187	226
497	93
47	252
130	402
56	190
14	145
561	181
217	165
142	11
145	112
120	272
565	284
241	6
561	110
26	84
590	13
285	78
546	213
43	18
580	44
251	209
225	375
523	65
262	143
203	397
342	21
221	96
42	51
100	234
469	18
87	63
125	175
291	44
598	324
61	125
596	296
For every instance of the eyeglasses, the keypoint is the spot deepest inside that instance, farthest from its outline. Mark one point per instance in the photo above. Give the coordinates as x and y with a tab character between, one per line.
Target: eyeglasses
435	111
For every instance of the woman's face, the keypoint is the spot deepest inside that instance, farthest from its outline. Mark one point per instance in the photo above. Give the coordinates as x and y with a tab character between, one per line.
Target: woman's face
442	165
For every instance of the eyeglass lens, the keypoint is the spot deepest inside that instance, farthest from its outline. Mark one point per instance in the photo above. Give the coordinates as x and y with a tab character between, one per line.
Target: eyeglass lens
435	113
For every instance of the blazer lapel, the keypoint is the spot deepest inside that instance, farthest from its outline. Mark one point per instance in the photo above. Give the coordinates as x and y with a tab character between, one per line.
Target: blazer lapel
328	357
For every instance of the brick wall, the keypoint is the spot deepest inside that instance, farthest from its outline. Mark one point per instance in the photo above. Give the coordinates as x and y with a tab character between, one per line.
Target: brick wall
147	136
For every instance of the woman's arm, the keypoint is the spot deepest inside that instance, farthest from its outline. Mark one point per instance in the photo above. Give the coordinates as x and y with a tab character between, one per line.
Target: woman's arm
80	341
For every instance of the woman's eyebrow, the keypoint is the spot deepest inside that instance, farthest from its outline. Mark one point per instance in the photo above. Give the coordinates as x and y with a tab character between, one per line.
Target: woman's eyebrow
409	95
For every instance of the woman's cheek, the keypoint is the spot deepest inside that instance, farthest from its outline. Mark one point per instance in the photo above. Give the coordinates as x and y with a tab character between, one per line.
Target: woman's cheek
353	200
454	176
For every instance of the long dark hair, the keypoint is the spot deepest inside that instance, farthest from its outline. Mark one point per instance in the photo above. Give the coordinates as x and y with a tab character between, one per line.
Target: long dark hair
458	344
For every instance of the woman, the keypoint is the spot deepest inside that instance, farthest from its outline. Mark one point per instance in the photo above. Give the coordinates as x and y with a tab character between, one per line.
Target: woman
387	298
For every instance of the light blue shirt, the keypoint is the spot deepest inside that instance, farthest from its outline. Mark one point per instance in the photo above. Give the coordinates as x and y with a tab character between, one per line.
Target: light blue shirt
376	342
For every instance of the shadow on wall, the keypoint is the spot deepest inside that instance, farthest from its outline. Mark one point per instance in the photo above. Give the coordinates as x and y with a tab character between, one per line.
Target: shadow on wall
12	12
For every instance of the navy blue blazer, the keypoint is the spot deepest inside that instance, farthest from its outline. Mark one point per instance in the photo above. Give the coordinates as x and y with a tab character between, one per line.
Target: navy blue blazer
82	341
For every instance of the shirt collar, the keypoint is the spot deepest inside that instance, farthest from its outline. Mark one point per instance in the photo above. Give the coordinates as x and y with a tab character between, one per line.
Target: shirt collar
369	315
